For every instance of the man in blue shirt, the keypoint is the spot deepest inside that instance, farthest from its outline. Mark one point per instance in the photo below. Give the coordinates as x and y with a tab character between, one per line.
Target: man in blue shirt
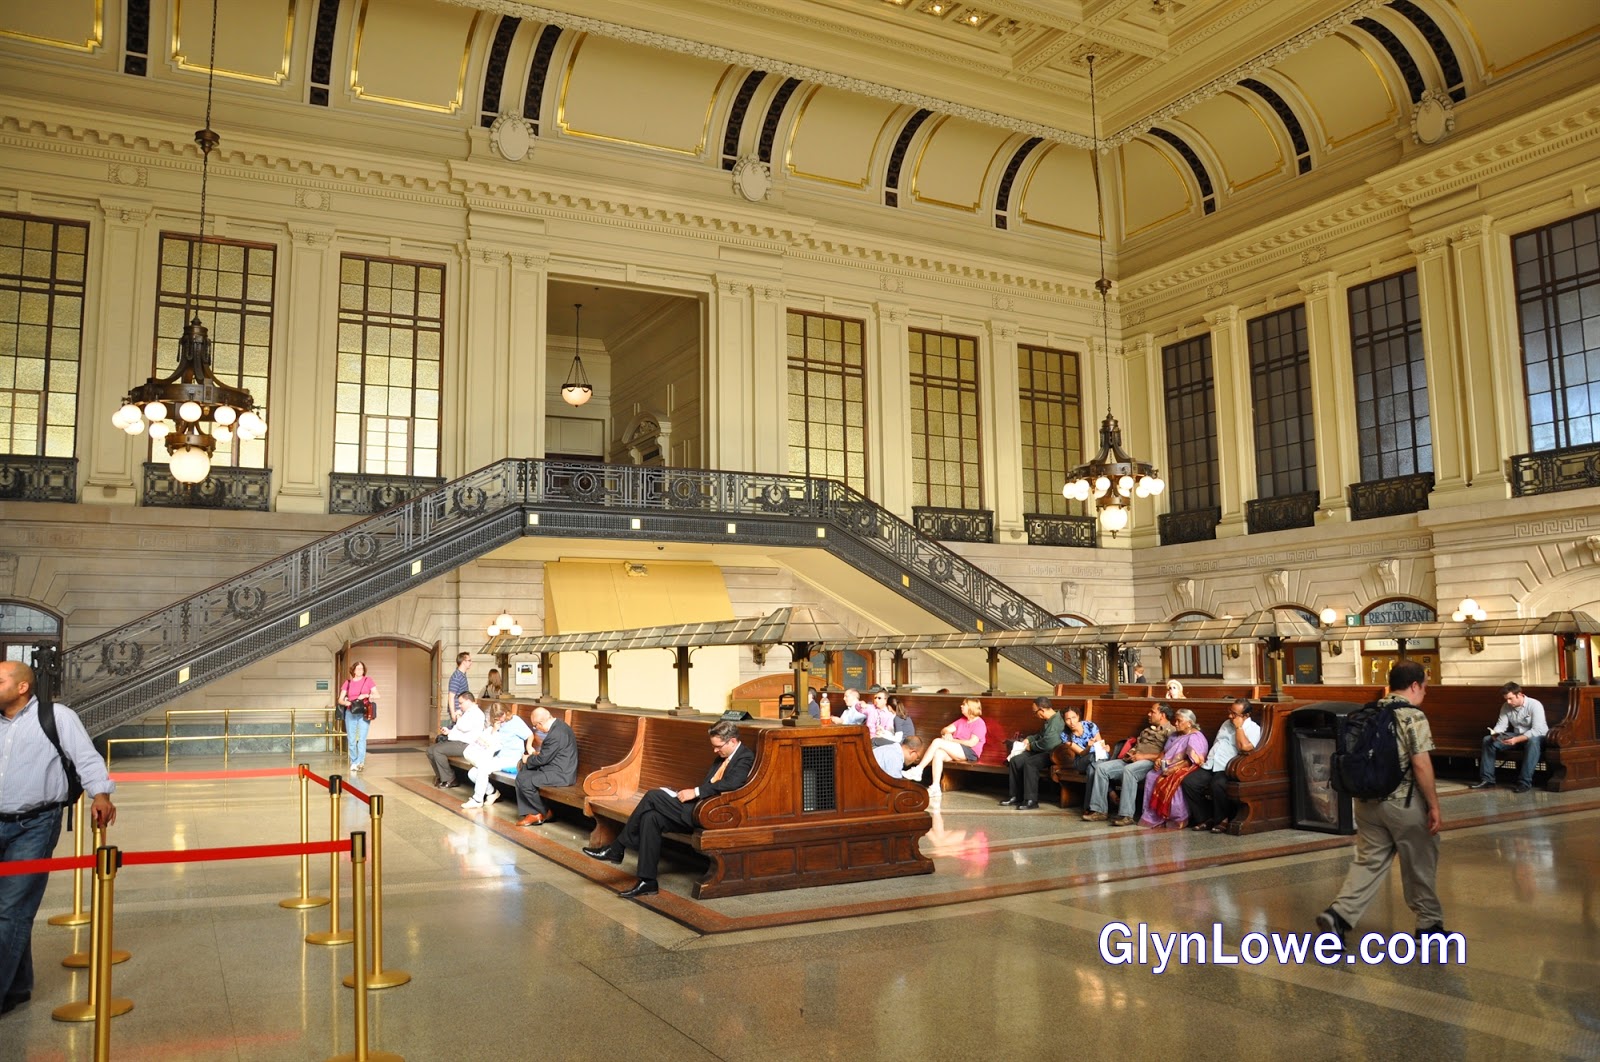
458	686
1078	735
1521	724
33	790
1206	789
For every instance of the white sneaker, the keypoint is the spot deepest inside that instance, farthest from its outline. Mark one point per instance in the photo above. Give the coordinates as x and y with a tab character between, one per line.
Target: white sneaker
474	803
911	774
494	794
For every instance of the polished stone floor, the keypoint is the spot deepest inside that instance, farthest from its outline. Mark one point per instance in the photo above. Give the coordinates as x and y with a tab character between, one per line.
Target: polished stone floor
994	956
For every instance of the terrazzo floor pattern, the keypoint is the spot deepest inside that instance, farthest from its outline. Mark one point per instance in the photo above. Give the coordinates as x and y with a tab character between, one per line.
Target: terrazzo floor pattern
513	954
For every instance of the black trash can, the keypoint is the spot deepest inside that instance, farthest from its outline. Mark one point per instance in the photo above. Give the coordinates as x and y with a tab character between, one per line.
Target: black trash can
1313	802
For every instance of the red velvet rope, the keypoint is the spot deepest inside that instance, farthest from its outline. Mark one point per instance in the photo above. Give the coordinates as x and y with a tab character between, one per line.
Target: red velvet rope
317	778
193	855
201	776
358	794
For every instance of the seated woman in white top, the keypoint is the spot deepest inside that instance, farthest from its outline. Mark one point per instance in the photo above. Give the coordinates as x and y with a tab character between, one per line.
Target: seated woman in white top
497	748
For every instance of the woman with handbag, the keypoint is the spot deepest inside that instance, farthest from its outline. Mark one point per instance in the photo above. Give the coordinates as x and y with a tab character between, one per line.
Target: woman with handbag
359	699
1184	751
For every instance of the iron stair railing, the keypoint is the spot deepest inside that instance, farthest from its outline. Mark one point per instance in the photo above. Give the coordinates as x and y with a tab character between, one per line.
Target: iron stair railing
119	675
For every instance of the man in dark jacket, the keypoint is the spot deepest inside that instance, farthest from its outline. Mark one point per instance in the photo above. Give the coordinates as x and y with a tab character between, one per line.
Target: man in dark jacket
661	810
554	762
1031	755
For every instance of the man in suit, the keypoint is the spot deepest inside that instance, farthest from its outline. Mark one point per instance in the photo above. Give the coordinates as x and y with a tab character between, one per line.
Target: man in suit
662	810
553	762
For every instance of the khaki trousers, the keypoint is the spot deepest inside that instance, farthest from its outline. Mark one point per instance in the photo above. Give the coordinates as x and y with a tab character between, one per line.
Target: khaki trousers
1385	829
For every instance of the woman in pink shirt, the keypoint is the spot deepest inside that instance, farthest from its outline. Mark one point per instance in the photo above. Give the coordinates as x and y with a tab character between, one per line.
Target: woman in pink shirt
359	699
961	741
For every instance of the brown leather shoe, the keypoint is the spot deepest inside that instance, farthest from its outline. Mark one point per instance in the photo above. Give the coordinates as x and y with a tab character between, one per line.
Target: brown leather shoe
1094	816
529	820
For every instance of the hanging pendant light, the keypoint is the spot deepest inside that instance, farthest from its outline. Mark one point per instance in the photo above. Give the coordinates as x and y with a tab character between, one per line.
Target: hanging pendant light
191	410
1112	477
576	391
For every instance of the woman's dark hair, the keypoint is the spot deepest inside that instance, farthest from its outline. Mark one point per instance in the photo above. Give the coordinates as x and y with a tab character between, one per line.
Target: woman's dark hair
362	664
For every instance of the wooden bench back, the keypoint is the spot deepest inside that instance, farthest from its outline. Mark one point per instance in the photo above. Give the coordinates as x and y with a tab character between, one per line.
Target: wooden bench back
1158	690
603	738
673	753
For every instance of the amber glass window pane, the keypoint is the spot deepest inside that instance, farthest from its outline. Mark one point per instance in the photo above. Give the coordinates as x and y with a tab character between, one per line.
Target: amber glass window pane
1052	431
41	333
827	398
1191	425
1280	390
945	458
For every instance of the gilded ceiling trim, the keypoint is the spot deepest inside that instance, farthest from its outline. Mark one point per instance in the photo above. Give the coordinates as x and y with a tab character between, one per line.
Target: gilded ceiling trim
569	130
180	57
415	105
95	39
872	156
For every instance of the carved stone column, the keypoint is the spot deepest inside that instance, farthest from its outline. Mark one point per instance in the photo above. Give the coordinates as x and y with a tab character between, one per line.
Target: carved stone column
747	425
301	447
1436	296
482	365
1489	354
1236	441
1002	454
528	369
889	432
1332	391
117	350
766	417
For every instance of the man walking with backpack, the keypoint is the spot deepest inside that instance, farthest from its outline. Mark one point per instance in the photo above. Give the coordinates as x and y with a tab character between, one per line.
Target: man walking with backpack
1397	807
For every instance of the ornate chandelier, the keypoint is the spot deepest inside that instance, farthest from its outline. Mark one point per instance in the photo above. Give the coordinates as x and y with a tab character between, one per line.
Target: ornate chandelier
576	391
191	410
1112	477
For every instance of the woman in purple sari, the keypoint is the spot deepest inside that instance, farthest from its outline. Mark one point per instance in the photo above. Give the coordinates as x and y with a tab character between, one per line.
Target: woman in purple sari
1184	751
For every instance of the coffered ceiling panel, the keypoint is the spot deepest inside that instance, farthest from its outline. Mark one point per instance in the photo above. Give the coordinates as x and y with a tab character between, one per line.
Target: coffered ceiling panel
77	25
1059	192
639	96
254	41
955	164
1240	137
412	53
1508	38
1344	88
1153	188
837	135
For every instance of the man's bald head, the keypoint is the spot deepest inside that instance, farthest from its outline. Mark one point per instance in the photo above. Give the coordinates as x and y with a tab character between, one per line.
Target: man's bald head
16	686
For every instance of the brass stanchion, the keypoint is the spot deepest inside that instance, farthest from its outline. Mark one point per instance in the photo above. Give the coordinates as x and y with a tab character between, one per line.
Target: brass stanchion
100	1006
305	900
77	916
378	977
358	894
334	935
80	959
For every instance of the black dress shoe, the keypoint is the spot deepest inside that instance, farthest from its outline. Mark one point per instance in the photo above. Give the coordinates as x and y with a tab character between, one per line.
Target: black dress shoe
13	1002
611	853
1521	787
645	887
1009	802
1028	805
1481	785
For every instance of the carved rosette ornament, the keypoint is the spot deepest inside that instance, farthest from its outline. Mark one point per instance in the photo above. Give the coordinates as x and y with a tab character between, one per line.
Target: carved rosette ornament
752	179
1433	118
511	137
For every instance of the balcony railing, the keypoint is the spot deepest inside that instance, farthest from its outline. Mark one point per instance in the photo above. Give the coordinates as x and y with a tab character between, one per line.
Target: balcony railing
1390	497
248	489
1551	471
1047	529
954	525
1283	513
28	478
1193	525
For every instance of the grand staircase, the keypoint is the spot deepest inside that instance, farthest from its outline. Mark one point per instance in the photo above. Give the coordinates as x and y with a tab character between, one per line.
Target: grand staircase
122	674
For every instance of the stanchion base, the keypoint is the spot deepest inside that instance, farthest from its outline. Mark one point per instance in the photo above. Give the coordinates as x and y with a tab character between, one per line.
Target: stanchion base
303	903
79	960
370	1056
84	1010
71	918
381	979
344	936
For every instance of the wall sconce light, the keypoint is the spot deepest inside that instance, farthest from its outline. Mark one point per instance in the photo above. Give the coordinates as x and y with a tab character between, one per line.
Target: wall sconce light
1327	619
1469	613
1233	650
504	624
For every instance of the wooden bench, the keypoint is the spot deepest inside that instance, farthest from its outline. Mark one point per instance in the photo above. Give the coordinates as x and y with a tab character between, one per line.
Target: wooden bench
1157	691
1460	717
785	828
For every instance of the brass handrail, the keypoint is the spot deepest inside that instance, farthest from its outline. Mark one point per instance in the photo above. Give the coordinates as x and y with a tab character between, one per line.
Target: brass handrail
327	733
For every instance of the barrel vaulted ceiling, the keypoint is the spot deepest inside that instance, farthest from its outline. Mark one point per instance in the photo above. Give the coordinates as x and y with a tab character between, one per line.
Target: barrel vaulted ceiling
973	114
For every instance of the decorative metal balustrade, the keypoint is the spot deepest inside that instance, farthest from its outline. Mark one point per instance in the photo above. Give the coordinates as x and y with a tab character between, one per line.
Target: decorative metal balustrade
1552	471
1045	529
1390	497
360	494
1282	513
1192	525
123	673
26	478
954	525
248	489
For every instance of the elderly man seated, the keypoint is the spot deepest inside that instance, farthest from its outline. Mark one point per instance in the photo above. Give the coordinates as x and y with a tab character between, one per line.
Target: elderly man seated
1128	770
895	758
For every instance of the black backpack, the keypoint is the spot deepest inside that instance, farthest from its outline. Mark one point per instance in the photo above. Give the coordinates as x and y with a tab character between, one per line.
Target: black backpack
1367	763
47	723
